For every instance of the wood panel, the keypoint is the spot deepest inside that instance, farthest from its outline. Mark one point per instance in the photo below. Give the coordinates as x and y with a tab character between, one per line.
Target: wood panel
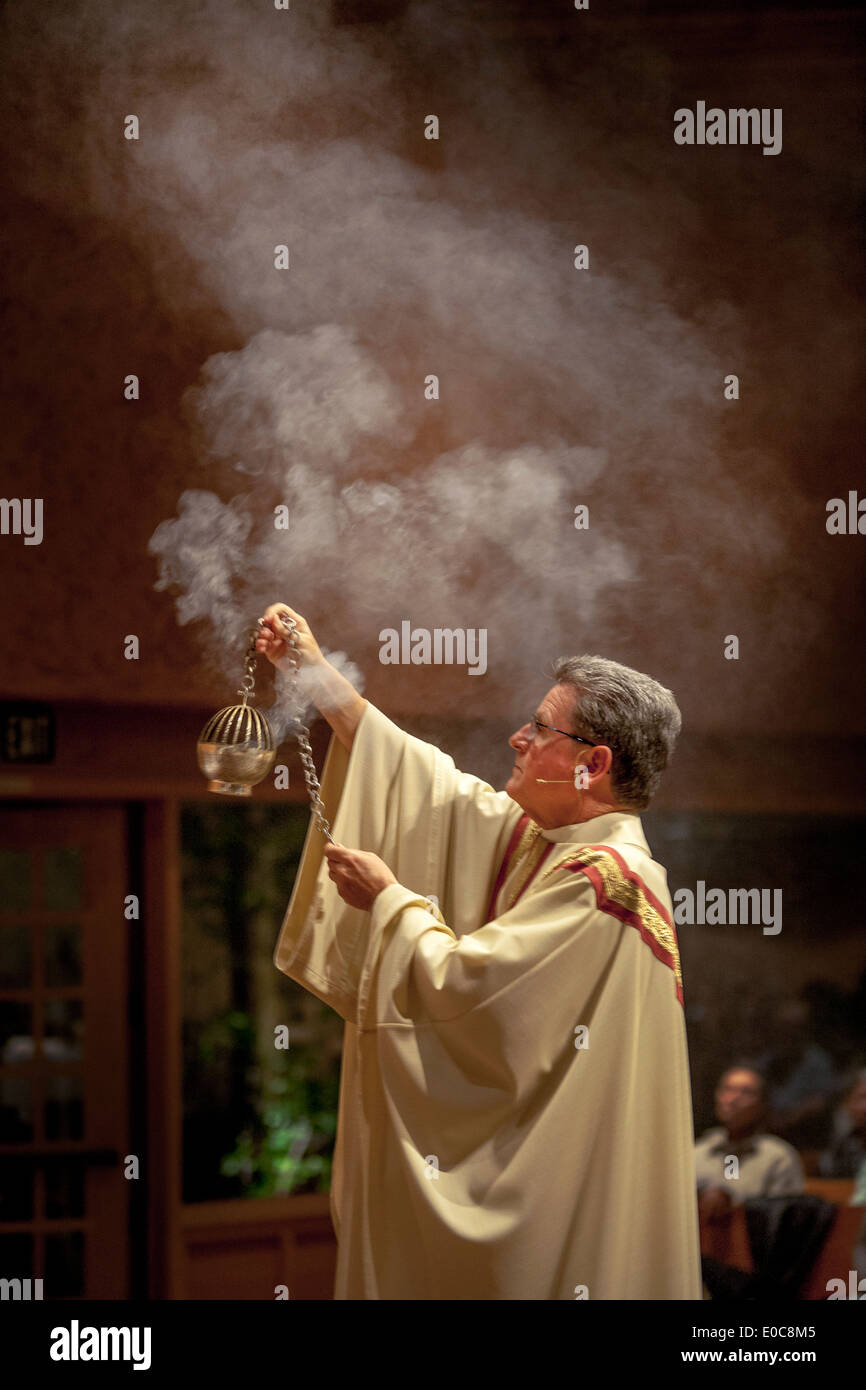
246	1249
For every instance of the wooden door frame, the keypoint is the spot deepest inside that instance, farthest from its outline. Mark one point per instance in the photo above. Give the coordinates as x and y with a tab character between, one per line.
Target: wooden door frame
160	920
164	1015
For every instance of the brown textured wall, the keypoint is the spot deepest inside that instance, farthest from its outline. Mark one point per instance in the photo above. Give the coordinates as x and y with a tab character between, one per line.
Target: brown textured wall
758	255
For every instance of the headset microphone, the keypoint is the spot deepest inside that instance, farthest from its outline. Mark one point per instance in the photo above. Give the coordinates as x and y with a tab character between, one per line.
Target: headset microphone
576	781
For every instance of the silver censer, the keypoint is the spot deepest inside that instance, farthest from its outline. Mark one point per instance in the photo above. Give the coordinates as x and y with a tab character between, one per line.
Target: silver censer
236	747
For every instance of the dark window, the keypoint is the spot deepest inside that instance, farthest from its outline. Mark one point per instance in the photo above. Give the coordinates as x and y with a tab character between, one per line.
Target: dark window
259	1120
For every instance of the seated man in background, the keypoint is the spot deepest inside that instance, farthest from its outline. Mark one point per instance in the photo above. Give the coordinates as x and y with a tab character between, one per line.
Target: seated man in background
739	1160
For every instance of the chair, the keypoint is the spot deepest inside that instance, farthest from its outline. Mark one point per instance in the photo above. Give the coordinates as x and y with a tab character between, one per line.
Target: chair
782	1247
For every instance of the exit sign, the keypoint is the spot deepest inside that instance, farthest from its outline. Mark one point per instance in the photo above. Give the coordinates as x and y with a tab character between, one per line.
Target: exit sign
26	732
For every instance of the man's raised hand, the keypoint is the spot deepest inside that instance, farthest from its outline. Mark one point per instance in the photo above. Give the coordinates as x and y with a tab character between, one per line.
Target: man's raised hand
334	697
272	637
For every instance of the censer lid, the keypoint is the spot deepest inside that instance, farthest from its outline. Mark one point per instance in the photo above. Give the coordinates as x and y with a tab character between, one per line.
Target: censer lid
238	724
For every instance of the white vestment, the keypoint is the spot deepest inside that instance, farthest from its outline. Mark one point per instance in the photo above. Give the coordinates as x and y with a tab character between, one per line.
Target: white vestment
515	1111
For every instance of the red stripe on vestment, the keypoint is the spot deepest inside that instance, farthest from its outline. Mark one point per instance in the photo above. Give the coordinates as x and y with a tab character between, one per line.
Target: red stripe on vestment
625	914
544	855
503	868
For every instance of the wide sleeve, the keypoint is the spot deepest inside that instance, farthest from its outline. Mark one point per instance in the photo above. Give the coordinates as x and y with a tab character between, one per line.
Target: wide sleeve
406	797
441	832
405	966
531	972
416	970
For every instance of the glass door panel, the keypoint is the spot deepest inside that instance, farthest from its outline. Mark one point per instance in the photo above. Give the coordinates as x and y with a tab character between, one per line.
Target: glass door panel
63	1049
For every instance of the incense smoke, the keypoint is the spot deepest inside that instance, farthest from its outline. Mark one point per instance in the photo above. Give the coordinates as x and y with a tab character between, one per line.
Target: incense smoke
558	387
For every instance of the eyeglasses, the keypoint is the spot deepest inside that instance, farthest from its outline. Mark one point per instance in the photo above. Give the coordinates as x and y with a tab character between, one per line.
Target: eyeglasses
537	724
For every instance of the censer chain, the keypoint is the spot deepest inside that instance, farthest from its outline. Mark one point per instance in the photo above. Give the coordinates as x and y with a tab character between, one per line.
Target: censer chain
303	733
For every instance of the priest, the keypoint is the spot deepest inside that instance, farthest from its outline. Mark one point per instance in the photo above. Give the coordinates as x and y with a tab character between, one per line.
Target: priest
515	1110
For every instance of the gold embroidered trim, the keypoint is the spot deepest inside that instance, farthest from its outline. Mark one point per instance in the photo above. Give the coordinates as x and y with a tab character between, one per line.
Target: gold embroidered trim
532	847
628	894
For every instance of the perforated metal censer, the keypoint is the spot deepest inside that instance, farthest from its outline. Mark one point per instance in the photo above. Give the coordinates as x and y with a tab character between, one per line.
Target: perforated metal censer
236	747
236	750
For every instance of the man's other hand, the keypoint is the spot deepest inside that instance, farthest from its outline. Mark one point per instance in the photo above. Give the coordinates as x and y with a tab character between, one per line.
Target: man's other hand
358	875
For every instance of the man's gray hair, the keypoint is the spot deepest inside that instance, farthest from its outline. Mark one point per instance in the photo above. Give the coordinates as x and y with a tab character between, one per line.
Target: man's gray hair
636	718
